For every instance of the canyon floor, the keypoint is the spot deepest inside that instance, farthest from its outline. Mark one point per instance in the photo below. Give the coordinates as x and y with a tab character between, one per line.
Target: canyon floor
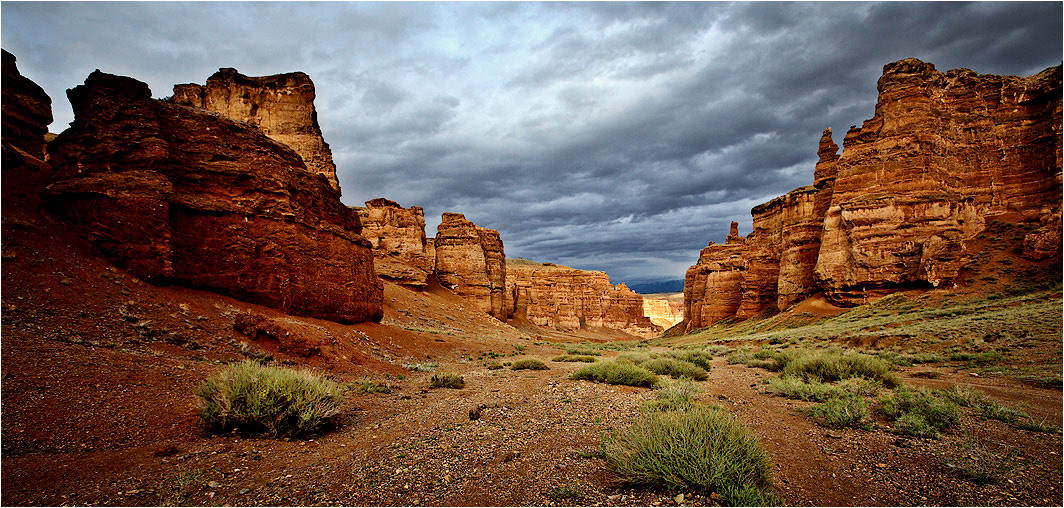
99	372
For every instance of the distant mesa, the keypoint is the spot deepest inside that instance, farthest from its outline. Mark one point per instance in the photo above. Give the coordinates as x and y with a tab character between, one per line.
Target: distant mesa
944	155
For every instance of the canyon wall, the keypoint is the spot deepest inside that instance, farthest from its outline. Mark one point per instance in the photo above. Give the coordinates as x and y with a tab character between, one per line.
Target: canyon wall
470	261
943	155
401	252
175	193
27	111
281	106
662	312
569	299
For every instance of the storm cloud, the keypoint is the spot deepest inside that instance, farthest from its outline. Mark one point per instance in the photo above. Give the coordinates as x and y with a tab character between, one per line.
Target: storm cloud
611	136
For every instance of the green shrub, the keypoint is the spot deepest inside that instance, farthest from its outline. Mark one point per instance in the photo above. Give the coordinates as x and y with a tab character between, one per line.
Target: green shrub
582	351
636	358
422	367
699	358
829	366
493	366
920	412
447	381
367	386
1038	426
616	373
979	358
675	396
529	364
717	350
281	401
844	411
574	358
974	461
564	492
675	368
795	388
701	449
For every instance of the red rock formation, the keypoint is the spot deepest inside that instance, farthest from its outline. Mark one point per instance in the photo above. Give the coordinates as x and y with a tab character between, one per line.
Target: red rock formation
471	262
943	154
568	299
712	288
401	252
27	111
281	106
176	193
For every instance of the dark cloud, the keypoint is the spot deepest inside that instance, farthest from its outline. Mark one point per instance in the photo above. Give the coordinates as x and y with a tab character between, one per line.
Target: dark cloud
612	136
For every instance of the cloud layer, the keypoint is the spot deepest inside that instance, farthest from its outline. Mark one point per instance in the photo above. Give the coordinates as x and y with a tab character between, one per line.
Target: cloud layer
613	136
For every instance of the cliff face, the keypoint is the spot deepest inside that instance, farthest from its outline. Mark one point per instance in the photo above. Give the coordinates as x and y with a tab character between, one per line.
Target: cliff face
662	312
281	106
569	299
943	155
712	288
174	193
470	261
27	111
401	252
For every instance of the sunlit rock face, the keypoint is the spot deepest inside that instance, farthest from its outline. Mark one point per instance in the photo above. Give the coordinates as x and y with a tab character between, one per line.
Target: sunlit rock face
569	299
401	252
281	106
470	261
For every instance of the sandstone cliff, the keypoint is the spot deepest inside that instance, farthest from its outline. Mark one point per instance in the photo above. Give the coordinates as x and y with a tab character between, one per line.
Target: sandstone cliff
174	193
944	154
281	106
471	262
27	111
568	299
662	312
401	252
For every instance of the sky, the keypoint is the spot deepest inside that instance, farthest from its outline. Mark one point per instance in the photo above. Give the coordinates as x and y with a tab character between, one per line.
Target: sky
620	137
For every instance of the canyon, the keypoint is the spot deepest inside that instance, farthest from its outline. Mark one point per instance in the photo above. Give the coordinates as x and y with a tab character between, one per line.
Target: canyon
944	156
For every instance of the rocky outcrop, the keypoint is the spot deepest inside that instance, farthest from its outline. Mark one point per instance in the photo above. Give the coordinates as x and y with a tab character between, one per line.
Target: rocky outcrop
174	193
401	252
471	262
568	299
944	154
712	288
27	111
281	106
662	312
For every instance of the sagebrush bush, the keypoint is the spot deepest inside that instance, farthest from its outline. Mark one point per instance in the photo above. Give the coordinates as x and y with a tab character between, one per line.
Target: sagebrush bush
582	351
699	358
616	373
636	358
843	411
574	358
702	449
529	364
447	380
675	396
920	412
675	369
831	366
281	401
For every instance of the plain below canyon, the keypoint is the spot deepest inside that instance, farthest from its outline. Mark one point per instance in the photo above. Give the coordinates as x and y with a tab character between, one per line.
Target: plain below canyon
192	317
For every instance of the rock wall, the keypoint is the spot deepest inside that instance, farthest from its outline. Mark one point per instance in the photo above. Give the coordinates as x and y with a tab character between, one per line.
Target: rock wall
281	106
470	261
662	312
27	111
943	155
174	193
568	299
401	252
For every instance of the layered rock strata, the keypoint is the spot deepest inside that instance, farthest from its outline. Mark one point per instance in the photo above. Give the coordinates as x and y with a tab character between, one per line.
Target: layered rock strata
401	252
944	154
281	106
27	111
569	299
471	262
174	193
662	312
